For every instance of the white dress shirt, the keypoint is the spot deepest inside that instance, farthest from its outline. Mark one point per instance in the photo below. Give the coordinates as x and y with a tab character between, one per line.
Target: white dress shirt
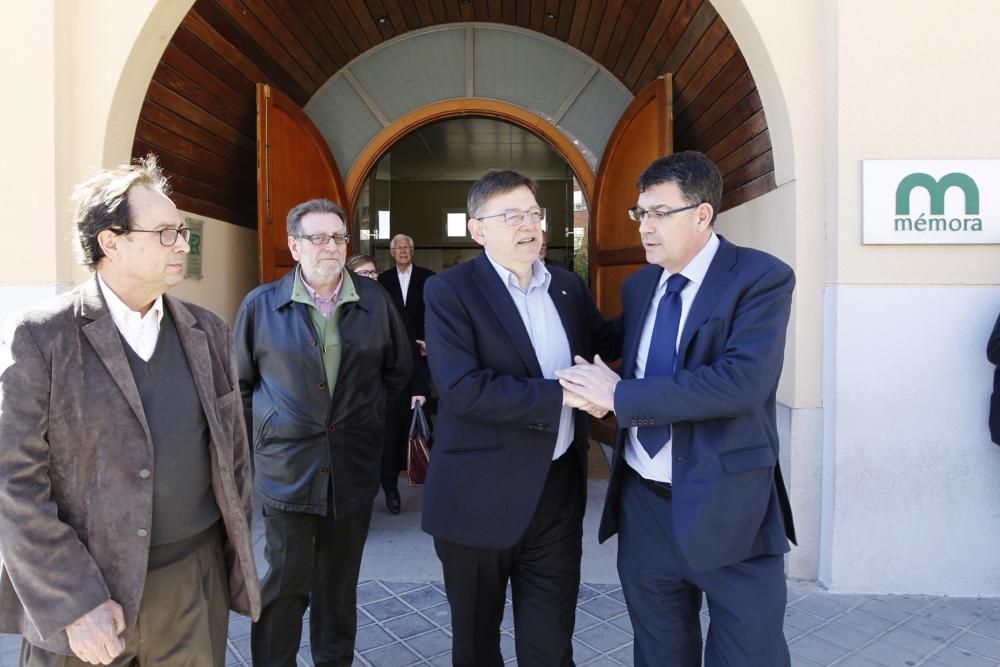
660	468
139	331
548	337
404	280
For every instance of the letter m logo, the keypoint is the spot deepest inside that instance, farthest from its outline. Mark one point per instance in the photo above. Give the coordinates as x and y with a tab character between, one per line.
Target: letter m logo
936	189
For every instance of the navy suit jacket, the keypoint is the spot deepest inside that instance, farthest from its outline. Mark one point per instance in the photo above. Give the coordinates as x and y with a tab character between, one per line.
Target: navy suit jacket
413	310
729	501
497	417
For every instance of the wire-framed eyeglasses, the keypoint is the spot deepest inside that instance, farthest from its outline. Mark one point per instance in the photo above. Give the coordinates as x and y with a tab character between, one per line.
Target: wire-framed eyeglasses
168	235
323	239
514	218
638	214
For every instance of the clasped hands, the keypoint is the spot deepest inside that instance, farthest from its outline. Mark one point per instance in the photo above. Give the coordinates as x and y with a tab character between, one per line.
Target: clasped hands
589	386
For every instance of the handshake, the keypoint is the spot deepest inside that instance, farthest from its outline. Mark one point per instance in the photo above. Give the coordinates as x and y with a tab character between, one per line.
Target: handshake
589	386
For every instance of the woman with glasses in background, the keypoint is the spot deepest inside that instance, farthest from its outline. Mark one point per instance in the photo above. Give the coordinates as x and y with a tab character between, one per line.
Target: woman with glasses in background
364	266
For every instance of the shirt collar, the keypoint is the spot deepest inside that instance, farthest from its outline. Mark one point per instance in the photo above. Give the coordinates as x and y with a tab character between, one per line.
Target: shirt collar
313	295
408	271
697	268
121	313
540	276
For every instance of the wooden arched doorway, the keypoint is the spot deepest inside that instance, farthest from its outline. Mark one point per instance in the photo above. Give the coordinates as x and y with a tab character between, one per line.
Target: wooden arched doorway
287	140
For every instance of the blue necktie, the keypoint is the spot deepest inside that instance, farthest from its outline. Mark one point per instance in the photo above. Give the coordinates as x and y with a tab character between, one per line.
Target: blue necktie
660	358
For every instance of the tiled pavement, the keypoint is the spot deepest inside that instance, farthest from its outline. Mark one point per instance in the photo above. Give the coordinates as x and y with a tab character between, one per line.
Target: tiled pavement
403	616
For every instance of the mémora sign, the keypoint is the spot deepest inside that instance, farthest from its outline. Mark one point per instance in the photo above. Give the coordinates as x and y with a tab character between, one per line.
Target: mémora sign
930	201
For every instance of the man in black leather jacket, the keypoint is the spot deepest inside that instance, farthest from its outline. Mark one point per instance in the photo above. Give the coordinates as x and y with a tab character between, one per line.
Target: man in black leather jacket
320	351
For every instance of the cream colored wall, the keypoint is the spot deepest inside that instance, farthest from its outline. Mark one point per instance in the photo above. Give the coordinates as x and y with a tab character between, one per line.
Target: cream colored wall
912	81
229	268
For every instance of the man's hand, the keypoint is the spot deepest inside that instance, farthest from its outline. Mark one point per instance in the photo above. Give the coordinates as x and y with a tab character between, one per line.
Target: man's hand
423	348
579	402
95	636
417	400
594	383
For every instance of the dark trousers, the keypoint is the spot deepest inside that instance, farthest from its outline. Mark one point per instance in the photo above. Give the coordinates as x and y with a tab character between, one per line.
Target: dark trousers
746	600
397	427
312	561
183	618
543	568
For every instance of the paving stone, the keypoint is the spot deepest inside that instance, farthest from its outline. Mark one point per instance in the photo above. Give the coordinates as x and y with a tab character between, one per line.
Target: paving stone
585	620
858	661
430	644
623	622
824	608
955	657
393	655
817	650
386	609
890	654
232	658
424	597
864	623
241	647
841	635
886	611
371	591
624	655
399	587
582	653
984	646
800	620
507	648
912	641
238	627
371	637
951	614
931	628
602	661
439	614
304	658
408	626
604	637
603	607
585	593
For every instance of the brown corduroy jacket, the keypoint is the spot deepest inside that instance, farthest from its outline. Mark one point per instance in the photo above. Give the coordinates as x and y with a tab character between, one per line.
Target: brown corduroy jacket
75	512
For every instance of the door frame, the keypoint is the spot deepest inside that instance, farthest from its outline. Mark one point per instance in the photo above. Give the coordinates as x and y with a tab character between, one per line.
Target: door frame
466	107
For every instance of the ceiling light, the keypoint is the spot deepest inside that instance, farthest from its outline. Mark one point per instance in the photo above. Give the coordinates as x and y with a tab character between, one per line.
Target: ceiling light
382	19
550	15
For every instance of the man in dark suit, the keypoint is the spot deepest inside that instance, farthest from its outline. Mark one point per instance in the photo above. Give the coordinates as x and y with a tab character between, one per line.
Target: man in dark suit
405	284
696	494
993	354
505	491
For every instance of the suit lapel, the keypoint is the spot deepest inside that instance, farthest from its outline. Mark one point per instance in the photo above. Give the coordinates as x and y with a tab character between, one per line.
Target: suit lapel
720	274
559	293
635	314
499	299
195	344
104	338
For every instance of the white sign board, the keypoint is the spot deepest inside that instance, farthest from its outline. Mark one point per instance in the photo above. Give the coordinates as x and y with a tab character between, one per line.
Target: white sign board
930	201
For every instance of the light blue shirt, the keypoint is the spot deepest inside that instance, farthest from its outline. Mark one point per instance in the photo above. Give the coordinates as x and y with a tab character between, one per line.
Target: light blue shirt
660	467
548	337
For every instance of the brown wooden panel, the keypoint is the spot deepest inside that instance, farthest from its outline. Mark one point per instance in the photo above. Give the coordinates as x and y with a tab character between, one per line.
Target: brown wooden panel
565	12
576	28
494	10
752	190
642	134
177	164
628	44
167	98
744	133
594	20
287	39
705	62
709	41
758	145
608	286
295	165
229	29
335	27
238	153
201	76
303	21
748	172
392	10
208	209
343	15
731	85
523	13
241	198
549	25
607	29
424	11
367	21
155	135
508	12
653	54
234	57
229	109
251	25
686	43
536	19
188	44
438	11
734	118
624	30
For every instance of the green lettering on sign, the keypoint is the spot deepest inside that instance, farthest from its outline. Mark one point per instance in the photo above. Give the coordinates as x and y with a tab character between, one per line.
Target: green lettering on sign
937	189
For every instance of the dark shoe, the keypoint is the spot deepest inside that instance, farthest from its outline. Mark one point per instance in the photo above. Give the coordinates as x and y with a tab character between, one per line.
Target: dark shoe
392	501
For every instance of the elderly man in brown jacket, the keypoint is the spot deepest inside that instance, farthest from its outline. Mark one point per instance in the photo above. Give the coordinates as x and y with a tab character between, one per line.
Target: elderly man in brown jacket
124	482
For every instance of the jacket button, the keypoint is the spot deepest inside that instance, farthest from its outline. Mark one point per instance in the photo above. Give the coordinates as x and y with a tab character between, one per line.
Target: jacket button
142	532
312	342
144	473
323	471
322	385
332	427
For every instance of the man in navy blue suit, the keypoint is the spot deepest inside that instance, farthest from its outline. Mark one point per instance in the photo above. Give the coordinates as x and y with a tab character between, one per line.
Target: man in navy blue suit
696	494
506	487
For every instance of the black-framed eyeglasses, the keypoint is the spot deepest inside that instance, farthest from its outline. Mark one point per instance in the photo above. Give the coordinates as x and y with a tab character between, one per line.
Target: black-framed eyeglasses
323	239
168	235
514	218
638	214
367	273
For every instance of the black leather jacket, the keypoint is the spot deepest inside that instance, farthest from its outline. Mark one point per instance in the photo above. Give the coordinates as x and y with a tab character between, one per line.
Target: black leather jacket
301	439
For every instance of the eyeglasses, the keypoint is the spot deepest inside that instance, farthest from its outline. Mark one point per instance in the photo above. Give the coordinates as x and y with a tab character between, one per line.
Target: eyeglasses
638	214
368	273
323	239
514	218
168	235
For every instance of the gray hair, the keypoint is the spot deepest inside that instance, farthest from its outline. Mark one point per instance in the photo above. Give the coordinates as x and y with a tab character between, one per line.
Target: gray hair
101	202
400	236
496	182
294	222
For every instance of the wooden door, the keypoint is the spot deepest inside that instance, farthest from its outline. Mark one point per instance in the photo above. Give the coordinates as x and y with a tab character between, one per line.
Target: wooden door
294	164
643	134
